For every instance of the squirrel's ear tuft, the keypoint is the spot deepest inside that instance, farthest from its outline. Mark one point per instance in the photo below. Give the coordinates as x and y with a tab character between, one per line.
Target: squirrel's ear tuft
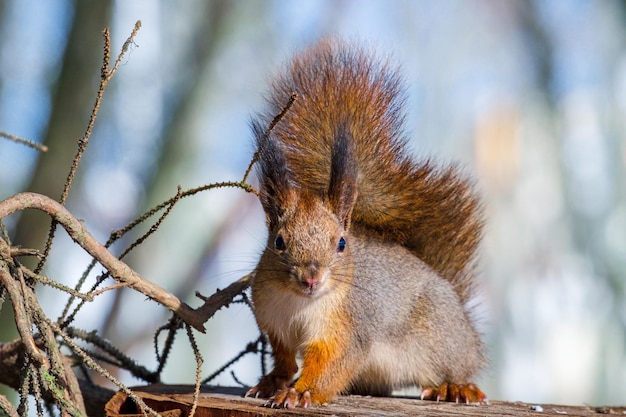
342	189
274	175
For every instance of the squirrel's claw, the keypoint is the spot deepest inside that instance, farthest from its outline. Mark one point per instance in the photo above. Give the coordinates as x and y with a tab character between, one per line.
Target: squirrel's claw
268	386
459	393
289	398
253	392
259	391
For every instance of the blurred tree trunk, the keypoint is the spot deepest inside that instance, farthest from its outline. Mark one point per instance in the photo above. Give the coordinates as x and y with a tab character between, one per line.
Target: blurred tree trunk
2	7
72	102
175	151
177	147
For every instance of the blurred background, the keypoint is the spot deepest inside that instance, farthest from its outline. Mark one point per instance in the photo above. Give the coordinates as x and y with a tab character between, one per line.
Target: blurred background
530	96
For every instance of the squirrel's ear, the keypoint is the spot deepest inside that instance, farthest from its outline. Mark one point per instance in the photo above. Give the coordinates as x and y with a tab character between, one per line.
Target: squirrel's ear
342	189
275	182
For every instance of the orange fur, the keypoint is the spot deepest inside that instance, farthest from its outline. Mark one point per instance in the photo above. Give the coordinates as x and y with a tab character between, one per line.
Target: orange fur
326	368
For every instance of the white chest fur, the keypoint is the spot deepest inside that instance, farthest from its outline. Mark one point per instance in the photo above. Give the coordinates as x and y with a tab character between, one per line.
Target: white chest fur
294	319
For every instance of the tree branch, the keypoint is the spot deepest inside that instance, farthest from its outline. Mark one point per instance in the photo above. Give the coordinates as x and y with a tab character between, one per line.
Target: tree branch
222	298
22	319
118	269
11	357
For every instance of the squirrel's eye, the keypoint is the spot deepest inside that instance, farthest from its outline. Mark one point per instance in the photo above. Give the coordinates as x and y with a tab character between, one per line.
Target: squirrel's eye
341	245
279	243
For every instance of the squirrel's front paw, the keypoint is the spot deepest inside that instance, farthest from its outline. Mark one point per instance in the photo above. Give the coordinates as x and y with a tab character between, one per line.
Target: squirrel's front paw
268	385
465	393
289	398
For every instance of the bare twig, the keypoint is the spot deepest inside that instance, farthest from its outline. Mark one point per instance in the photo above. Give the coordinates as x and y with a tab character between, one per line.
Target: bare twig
22	318
115	286
252	347
34	145
122	359
36	376
25	374
93	365
118	269
237	380
222	298
196	352
17	251
62	385
117	234
130	41
3	294
156	225
271	127
172	326
73	389
106	75
13	366
52	283
46	373
7	408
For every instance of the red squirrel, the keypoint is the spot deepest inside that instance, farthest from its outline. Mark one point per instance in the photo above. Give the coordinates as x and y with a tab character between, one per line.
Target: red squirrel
369	263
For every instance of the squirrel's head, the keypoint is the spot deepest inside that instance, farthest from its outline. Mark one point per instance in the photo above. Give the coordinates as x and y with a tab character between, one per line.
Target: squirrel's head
308	240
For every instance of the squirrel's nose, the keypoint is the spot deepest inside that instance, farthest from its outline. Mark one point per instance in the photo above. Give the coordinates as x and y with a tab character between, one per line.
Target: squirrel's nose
311	274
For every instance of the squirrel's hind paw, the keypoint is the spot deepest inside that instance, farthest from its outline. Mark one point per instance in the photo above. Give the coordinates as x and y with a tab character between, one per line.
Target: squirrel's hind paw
459	393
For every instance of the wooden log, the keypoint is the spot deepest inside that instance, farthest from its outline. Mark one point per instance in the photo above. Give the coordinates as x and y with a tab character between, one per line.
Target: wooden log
177	400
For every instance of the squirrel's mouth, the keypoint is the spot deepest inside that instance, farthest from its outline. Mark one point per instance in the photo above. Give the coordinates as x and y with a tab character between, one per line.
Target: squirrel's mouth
311	282
312	289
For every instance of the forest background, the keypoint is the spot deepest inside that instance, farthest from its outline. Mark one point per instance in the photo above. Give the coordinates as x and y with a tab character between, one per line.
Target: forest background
529	95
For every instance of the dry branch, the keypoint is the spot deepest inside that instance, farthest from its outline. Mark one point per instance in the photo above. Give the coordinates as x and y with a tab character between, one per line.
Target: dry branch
12	355
222	298
45	372
93	365
34	145
22	319
7	407
118	269
105	76
12	278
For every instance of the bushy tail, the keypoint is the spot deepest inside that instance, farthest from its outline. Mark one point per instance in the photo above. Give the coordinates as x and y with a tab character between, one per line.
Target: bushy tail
433	211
